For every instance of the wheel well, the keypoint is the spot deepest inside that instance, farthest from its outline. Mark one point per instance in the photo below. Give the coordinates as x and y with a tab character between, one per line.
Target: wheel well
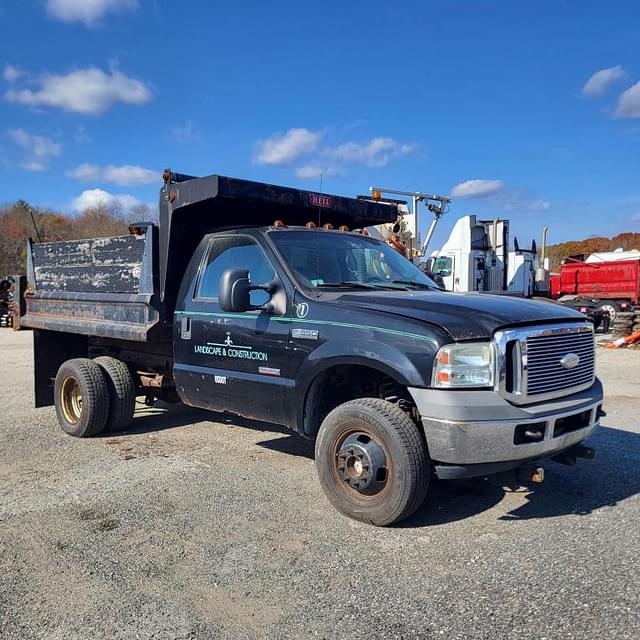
347	382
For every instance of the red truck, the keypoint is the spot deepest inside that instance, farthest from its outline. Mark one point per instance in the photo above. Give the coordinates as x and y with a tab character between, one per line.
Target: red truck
615	284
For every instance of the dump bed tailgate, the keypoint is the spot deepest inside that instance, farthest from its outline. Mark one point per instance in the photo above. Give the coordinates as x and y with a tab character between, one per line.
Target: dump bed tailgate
98	287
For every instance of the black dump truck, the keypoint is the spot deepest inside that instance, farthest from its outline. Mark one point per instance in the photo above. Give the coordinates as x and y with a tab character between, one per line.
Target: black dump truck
274	304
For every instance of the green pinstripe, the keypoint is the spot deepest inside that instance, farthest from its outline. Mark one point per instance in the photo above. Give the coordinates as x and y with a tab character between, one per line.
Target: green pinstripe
333	323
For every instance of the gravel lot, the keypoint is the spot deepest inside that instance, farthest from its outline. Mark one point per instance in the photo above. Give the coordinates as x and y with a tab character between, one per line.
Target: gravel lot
192	525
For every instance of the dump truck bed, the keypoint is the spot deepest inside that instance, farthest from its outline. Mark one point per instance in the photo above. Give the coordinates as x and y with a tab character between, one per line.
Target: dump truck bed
101	287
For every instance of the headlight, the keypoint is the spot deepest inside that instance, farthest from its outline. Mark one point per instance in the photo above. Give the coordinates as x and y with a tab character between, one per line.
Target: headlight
464	365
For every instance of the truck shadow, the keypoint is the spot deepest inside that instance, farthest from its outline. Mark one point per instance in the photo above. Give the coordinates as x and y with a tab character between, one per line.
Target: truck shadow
611	477
162	416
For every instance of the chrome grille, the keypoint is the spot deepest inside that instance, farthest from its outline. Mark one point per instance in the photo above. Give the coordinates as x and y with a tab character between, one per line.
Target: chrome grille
529	361
544	353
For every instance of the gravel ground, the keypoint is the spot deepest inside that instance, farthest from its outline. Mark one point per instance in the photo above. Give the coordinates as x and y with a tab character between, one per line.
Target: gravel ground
195	526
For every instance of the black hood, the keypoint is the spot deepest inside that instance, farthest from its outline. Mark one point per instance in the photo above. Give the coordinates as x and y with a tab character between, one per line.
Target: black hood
465	316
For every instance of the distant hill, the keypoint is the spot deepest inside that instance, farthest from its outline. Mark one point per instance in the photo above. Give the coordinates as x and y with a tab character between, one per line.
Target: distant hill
557	252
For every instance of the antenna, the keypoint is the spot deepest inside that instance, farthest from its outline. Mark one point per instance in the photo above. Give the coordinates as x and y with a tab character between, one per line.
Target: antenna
25	205
318	241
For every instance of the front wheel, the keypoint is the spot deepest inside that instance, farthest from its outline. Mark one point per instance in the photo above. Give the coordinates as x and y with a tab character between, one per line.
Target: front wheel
372	461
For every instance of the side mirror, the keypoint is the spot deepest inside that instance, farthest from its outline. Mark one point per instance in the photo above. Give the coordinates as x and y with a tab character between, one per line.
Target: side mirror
234	291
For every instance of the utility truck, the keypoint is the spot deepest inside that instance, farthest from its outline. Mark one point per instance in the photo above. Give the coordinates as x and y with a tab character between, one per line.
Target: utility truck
271	303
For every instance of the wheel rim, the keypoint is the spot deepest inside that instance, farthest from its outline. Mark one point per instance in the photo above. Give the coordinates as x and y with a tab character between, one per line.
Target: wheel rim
71	400
361	464
611	310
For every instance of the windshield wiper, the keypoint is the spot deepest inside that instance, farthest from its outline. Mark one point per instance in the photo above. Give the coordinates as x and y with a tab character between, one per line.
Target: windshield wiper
412	283
354	285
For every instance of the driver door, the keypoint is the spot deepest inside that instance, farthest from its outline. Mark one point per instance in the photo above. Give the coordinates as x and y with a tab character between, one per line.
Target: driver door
233	362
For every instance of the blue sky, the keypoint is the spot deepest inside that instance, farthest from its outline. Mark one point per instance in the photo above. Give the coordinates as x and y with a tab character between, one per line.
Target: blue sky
495	102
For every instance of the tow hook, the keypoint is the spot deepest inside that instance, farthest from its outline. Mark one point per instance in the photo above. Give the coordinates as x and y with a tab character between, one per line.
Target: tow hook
150	400
570	456
537	475
517	479
601	412
529	473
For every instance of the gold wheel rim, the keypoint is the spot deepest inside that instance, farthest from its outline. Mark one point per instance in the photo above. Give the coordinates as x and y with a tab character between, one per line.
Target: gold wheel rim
71	400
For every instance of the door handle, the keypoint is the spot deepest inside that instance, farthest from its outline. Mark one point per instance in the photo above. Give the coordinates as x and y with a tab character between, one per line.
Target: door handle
185	328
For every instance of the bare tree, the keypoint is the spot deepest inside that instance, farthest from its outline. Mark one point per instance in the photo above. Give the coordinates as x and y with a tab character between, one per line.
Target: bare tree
100	221
141	213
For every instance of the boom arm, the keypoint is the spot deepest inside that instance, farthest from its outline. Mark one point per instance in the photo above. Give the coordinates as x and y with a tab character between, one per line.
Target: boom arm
435	203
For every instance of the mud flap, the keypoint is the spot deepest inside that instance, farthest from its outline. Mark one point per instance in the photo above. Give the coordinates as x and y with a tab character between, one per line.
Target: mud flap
50	350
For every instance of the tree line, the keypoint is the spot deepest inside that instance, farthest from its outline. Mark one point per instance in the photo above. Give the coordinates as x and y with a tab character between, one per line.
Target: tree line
559	252
20	221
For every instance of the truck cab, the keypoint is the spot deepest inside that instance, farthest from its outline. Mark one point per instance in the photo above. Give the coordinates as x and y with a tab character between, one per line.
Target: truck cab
477	257
273	304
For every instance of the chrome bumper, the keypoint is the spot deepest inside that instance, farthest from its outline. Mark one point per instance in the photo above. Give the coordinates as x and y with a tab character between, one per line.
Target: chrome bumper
480	427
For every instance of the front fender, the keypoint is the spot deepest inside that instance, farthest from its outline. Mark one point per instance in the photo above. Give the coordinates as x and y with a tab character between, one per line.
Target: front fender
376	355
368	353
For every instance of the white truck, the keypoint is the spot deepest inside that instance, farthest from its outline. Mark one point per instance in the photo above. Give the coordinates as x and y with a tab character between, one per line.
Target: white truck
477	257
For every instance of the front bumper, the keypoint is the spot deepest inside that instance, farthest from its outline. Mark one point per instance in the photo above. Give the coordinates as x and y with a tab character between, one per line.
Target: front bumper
481	432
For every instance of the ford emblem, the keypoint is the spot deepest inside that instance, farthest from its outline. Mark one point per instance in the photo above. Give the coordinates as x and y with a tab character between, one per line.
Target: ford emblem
570	361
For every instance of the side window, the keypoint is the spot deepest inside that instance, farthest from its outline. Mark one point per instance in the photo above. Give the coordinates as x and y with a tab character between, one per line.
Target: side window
226	252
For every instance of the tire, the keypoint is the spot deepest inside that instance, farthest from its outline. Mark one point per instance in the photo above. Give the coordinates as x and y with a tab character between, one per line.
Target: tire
81	398
402	479
122	392
612	308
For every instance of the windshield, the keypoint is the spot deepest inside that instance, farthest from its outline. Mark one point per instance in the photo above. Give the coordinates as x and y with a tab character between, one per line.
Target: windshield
442	265
325	259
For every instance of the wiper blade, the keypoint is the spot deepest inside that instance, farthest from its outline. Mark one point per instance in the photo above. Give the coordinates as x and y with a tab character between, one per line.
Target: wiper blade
354	285
412	283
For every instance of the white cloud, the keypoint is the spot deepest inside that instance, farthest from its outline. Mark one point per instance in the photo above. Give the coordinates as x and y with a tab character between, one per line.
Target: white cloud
538	205
89	12
309	171
477	188
35	165
81	136
87	91
601	80
375	153
282	149
186	132
98	197
37	149
629	103
328	160
125	175
11	73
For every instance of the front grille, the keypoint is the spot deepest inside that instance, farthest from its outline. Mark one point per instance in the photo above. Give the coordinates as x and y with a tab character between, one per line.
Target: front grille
531	366
544	353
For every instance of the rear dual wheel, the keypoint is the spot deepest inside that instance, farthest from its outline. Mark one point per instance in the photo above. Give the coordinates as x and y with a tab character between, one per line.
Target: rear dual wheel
81	398
122	392
372	461
93	395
